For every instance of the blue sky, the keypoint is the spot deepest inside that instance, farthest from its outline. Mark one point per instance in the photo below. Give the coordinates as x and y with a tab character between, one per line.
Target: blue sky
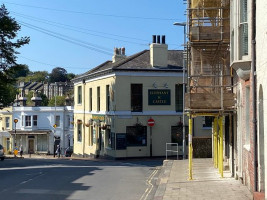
84	32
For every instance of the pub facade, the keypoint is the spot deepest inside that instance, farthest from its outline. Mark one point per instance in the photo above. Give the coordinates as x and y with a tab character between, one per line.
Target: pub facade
115	100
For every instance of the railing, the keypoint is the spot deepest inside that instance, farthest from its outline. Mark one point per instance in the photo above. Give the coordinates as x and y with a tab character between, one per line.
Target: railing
171	149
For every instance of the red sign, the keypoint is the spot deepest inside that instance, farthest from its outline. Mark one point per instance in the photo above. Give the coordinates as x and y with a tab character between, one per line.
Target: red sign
151	122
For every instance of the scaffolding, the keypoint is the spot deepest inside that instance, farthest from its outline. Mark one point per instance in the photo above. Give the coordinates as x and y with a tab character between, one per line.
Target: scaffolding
209	88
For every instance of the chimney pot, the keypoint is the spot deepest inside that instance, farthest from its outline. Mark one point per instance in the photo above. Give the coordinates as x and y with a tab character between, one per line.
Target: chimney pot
158	39
153	38
163	39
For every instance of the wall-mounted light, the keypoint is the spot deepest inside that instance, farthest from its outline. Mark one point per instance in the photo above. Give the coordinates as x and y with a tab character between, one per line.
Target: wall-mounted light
166	85
155	85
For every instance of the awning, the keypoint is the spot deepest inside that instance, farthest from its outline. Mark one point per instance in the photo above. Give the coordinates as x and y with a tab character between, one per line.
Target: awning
35	132
5	134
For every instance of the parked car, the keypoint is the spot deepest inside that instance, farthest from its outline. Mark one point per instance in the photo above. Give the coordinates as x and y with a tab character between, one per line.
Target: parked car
69	151
2	154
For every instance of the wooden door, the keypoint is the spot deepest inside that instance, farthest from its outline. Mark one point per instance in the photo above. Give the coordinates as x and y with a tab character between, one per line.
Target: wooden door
31	146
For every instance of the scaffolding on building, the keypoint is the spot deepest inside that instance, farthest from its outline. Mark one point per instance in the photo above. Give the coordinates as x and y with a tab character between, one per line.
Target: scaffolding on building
209	88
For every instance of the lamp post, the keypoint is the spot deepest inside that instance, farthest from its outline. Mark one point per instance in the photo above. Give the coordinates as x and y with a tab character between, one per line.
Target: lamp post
15	143
184	65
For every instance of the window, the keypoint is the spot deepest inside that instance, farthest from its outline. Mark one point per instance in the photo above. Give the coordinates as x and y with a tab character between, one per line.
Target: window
243	27
67	121
90	99
91	131
79	100
136	135
98	98
179	98
177	135
79	132
207	122
57	121
136	97
7	122
28	121
107	98
34	120
247	115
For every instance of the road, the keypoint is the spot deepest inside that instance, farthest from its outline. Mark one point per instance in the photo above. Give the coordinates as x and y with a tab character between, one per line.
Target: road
60	179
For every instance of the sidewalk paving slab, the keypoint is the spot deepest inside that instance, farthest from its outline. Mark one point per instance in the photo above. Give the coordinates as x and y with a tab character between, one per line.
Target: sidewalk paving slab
207	184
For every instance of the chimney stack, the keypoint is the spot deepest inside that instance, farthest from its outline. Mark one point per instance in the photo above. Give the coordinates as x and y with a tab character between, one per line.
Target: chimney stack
158	52
22	98
119	54
36	100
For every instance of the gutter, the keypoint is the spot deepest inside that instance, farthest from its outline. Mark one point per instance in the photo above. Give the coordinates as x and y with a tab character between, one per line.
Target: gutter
254	92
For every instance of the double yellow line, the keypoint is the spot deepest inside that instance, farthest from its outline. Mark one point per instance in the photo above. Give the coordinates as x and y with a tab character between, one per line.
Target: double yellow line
150	185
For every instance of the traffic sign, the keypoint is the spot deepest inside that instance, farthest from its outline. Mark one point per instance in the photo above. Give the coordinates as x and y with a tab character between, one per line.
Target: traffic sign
150	122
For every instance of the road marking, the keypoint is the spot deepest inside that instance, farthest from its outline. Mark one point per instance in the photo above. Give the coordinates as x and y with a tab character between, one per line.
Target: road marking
150	185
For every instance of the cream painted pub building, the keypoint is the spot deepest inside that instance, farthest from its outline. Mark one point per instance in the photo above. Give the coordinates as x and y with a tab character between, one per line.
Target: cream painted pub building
115	100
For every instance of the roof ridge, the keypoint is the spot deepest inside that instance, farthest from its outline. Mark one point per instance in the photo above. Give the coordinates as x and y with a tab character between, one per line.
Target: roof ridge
127	59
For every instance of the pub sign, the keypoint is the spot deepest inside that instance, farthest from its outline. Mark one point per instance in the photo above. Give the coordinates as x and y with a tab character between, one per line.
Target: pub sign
159	97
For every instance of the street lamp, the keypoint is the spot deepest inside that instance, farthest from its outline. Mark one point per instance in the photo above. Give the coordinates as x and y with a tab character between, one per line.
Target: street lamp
184	65
16	121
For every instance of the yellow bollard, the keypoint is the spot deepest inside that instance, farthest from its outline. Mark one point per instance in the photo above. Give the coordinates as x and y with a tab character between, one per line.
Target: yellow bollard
190	148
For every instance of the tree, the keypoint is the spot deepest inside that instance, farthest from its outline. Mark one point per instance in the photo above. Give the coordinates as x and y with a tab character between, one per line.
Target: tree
58	74
8	51
60	101
19	71
70	76
37	76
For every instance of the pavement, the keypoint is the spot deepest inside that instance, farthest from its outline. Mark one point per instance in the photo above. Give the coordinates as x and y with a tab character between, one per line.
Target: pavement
207	184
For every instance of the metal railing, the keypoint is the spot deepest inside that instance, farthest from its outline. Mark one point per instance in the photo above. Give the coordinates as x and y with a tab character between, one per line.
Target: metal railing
171	149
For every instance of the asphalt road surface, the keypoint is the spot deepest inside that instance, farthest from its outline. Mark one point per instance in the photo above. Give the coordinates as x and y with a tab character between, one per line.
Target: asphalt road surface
48	179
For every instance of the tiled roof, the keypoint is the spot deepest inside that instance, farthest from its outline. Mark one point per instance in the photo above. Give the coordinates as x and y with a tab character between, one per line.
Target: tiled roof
138	62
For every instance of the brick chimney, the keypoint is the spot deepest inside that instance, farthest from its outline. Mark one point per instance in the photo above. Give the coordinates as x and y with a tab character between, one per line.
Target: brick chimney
158	52
36	100
119	54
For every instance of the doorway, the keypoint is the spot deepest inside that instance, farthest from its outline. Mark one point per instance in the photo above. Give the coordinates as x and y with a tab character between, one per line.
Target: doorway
31	146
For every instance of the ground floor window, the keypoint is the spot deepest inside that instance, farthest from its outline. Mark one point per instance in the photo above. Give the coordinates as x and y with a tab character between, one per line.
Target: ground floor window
79	131
177	135
42	143
136	135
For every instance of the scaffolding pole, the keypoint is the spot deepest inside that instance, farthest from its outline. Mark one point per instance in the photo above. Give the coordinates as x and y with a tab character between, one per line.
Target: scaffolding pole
215	142
221	146
190	148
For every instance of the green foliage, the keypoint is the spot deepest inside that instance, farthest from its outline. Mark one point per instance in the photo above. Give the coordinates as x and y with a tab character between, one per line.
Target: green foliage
37	76
45	100
29	102
8	32
60	101
58	74
70	76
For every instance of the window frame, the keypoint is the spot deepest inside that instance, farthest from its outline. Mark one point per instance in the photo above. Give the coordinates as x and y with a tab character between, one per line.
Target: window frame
79	132
7	122
98	99
57	120
34	121
28	120
79	95
134	136
136	98
107	98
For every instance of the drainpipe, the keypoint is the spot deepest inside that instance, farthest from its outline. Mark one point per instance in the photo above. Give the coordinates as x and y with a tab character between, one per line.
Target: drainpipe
83	135
254	91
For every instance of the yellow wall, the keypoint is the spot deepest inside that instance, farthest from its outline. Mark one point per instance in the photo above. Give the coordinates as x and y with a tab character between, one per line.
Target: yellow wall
120	86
